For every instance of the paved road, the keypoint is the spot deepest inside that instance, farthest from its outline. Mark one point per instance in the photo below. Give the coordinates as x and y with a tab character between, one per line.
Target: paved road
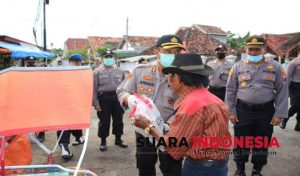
119	162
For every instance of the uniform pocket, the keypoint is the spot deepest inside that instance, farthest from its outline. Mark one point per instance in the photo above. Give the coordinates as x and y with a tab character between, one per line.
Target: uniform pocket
103	79
268	80
244	80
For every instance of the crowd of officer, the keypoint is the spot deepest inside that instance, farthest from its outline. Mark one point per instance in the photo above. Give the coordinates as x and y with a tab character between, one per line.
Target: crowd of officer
255	89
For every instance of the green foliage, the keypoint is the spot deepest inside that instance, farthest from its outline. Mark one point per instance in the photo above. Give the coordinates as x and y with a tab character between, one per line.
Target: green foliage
103	49
57	51
235	41
83	52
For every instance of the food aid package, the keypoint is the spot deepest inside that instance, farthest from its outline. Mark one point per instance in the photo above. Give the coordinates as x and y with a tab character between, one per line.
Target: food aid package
147	108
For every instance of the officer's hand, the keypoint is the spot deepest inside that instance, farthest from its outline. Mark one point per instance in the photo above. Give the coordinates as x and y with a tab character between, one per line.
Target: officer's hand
275	121
132	101
233	119
98	109
141	121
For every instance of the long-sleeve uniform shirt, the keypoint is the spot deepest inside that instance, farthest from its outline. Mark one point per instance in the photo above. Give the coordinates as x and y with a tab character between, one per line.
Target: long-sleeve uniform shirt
258	84
221	72
106	79
147	80
199	115
293	71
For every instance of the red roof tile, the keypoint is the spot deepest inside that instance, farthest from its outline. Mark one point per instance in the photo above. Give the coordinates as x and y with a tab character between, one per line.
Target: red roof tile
142	40
209	29
198	42
97	42
273	41
75	43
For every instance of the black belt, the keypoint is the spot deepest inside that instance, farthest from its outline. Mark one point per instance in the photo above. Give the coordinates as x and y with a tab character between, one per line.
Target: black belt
208	162
217	88
254	106
109	93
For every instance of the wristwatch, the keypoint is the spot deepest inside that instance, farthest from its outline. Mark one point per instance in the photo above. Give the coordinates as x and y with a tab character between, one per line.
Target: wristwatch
148	128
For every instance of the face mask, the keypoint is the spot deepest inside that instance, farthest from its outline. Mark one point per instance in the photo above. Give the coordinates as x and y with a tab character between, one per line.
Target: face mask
166	59
108	62
220	55
255	59
286	61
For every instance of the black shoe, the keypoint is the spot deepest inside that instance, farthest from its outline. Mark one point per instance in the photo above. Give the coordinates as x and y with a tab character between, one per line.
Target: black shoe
41	137
65	152
283	123
256	173
121	143
78	142
297	127
240	173
103	147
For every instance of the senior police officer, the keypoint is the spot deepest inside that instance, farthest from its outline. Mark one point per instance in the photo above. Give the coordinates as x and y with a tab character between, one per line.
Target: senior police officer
221	66
148	80
293	81
256	94
107	78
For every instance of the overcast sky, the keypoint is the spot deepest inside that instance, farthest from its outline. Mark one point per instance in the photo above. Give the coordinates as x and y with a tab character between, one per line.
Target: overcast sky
82	18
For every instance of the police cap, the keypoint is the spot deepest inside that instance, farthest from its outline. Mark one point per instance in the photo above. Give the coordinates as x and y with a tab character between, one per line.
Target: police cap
30	59
76	57
169	41
107	53
255	42
221	47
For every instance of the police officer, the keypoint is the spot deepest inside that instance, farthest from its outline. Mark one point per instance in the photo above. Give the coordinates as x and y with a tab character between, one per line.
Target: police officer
148	80
76	60
293	80
107	78
256	94
66	154
31	61
221	66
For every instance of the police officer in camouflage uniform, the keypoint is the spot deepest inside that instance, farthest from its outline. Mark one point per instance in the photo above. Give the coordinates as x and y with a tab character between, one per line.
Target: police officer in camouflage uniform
221	66
107	78
293	80
148	80
256	94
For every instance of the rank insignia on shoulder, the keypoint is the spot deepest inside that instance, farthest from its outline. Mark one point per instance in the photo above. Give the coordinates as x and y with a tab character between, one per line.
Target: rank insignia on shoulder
243	84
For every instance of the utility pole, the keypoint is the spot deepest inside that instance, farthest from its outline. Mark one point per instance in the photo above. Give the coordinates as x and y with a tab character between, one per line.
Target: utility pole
46	2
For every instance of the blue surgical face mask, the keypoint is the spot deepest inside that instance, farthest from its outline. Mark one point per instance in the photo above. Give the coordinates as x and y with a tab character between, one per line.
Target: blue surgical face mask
109	62
255	59
166	59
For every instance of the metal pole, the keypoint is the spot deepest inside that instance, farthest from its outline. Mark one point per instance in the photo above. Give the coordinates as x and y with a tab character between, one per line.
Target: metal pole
45	42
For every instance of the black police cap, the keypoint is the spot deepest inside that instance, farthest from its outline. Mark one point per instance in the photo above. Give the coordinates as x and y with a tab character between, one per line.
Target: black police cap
222	47
170	41
256	41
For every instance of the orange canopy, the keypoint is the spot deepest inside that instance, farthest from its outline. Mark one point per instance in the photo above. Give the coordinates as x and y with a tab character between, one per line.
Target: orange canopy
5	51
45	98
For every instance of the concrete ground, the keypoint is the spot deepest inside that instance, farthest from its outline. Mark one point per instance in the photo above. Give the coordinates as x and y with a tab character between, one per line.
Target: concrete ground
121	162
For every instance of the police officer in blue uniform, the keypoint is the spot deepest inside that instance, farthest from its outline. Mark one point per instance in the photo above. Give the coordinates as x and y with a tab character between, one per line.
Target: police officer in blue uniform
107	78
221	66
257	96
293	81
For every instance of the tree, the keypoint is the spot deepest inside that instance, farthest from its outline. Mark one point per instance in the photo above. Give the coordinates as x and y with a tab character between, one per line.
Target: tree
103	49
57	51
83	52
235	41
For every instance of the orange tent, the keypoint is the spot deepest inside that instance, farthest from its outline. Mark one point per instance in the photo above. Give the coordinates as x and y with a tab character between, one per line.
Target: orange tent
4	51
38	99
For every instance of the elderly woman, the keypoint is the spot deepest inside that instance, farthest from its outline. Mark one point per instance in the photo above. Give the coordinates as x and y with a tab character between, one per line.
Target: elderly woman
199	116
